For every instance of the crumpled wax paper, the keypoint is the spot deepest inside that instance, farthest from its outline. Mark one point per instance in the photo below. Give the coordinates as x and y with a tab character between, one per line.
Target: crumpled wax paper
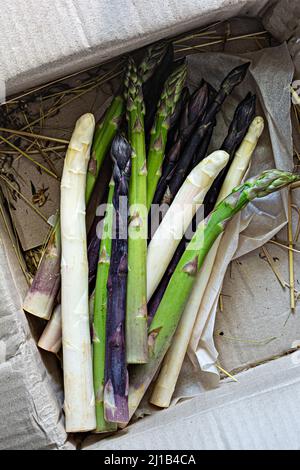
270	75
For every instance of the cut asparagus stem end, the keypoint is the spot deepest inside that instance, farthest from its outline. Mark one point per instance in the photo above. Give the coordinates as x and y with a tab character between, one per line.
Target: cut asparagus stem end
51	338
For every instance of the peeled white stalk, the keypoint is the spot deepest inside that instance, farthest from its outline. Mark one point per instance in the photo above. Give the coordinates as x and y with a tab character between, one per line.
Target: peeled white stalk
177	220
77	355
166	382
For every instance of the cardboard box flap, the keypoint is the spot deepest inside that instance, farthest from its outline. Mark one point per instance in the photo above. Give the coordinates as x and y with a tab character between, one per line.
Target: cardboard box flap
51	40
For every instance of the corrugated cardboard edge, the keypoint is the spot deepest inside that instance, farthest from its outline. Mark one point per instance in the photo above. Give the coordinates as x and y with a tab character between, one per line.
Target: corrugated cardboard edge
259	412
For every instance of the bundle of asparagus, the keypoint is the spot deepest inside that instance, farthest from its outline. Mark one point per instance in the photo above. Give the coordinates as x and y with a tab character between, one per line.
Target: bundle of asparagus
165	385
237	129
168	235
171	275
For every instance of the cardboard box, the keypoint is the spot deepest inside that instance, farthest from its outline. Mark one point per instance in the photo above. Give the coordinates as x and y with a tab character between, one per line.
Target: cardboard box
261	410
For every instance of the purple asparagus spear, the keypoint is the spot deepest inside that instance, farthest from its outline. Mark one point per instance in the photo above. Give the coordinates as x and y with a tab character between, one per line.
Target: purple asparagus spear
116	375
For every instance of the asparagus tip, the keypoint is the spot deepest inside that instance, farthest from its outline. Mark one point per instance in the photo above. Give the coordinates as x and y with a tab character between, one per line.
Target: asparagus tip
235	77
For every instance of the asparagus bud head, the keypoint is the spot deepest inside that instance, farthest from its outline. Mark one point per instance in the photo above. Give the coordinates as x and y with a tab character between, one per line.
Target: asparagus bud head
234	78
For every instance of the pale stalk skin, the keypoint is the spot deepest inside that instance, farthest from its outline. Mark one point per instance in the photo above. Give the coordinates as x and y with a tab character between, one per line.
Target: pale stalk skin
177	219
179	288
42	294
136	313
100	312
79	404
167	379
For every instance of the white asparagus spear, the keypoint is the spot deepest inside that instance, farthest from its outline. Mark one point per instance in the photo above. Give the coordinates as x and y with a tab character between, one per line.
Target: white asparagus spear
166	382
176	221
77	358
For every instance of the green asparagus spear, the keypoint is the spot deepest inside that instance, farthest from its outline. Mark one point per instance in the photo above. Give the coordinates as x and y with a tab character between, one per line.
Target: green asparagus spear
104	134
136	315
153	57
100	311
159	133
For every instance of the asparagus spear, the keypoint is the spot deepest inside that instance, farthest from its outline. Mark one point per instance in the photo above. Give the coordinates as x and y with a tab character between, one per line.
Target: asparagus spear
238	128
93	245
234	78
153	83
136	316
78	373
176	296
100	311
160	291
165	385
51	338
104	134
42	294
151	60
116	375
176	221
43	291
193	111
169	98
175	118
